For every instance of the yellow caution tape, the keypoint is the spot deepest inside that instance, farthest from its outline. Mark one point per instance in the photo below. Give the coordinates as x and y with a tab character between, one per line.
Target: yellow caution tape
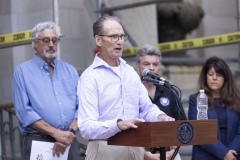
190	44
17	37
163	47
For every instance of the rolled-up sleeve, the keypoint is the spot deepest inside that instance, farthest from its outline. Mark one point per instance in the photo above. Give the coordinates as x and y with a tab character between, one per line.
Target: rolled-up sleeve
24	111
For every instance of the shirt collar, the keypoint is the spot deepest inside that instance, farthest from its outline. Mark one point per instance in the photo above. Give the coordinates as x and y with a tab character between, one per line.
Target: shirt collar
40	62
99	62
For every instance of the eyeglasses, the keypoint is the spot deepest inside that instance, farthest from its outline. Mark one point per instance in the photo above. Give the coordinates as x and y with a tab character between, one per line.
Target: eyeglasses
47	40
115	37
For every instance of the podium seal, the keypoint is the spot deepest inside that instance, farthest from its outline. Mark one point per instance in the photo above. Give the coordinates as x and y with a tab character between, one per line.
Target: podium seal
185	132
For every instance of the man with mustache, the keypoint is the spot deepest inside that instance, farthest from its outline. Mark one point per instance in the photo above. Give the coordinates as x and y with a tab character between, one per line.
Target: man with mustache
44	96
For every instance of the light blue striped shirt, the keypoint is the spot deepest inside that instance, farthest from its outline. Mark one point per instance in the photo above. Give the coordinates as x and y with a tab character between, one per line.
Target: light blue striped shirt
37	96
105	96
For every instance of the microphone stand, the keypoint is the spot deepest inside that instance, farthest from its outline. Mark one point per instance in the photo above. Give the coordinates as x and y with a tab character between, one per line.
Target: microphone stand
177	93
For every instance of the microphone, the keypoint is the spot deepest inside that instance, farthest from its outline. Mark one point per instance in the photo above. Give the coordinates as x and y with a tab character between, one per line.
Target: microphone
154	78
151	80
148	73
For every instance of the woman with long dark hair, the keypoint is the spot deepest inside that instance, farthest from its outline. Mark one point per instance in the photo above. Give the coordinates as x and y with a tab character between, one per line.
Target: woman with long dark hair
224	105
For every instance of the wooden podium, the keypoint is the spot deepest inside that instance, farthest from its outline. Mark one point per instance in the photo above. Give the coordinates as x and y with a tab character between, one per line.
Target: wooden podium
170	133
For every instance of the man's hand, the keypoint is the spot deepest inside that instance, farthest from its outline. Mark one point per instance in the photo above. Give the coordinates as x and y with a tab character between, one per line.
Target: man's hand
64	137
230	155
150	156
164	117
124	125
169	154
58	148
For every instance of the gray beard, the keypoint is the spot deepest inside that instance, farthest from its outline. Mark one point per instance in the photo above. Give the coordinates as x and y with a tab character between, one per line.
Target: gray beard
53	55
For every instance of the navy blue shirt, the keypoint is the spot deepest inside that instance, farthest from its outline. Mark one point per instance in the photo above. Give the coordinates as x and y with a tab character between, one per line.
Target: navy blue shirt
167	102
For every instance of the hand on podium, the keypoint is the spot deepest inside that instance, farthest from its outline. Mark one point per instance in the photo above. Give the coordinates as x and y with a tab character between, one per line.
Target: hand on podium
164	117
124	125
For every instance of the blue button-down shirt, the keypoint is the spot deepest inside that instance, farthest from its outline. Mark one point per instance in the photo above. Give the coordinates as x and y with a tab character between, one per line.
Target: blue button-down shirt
106	96
37	96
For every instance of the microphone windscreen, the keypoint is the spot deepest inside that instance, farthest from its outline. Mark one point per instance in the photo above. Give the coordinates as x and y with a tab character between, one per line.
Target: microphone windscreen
144	72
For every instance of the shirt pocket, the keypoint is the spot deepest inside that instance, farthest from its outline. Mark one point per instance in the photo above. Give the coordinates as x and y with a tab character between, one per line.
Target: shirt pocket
69	87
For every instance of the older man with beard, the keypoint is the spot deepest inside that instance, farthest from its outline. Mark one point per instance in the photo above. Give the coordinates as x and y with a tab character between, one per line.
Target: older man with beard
44	96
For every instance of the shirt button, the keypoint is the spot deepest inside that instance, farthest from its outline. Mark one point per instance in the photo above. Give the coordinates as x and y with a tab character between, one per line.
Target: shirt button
56	93
59	103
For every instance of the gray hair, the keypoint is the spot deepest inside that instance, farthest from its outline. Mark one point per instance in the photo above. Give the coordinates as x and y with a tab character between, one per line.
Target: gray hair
98	25
148	50
41	27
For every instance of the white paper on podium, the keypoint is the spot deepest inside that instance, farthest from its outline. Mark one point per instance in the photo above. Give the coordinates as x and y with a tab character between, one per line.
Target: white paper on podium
43	151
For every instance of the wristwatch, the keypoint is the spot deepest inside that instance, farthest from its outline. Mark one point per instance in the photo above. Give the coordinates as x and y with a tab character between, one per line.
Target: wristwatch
71	130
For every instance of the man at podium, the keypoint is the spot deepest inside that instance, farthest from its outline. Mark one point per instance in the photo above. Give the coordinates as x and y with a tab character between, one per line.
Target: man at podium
149	57
111	96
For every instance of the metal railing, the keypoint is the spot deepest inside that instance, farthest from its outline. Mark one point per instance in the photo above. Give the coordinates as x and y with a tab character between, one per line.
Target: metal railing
9	133
11	139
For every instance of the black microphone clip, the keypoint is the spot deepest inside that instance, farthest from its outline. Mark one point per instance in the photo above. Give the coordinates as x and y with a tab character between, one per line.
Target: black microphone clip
151	80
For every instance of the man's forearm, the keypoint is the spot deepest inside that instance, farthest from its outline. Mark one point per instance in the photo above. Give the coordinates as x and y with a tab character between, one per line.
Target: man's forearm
64	137
43	126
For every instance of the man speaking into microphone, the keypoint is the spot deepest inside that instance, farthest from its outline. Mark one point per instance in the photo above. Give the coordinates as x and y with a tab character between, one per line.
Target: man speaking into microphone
112	97
148	65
